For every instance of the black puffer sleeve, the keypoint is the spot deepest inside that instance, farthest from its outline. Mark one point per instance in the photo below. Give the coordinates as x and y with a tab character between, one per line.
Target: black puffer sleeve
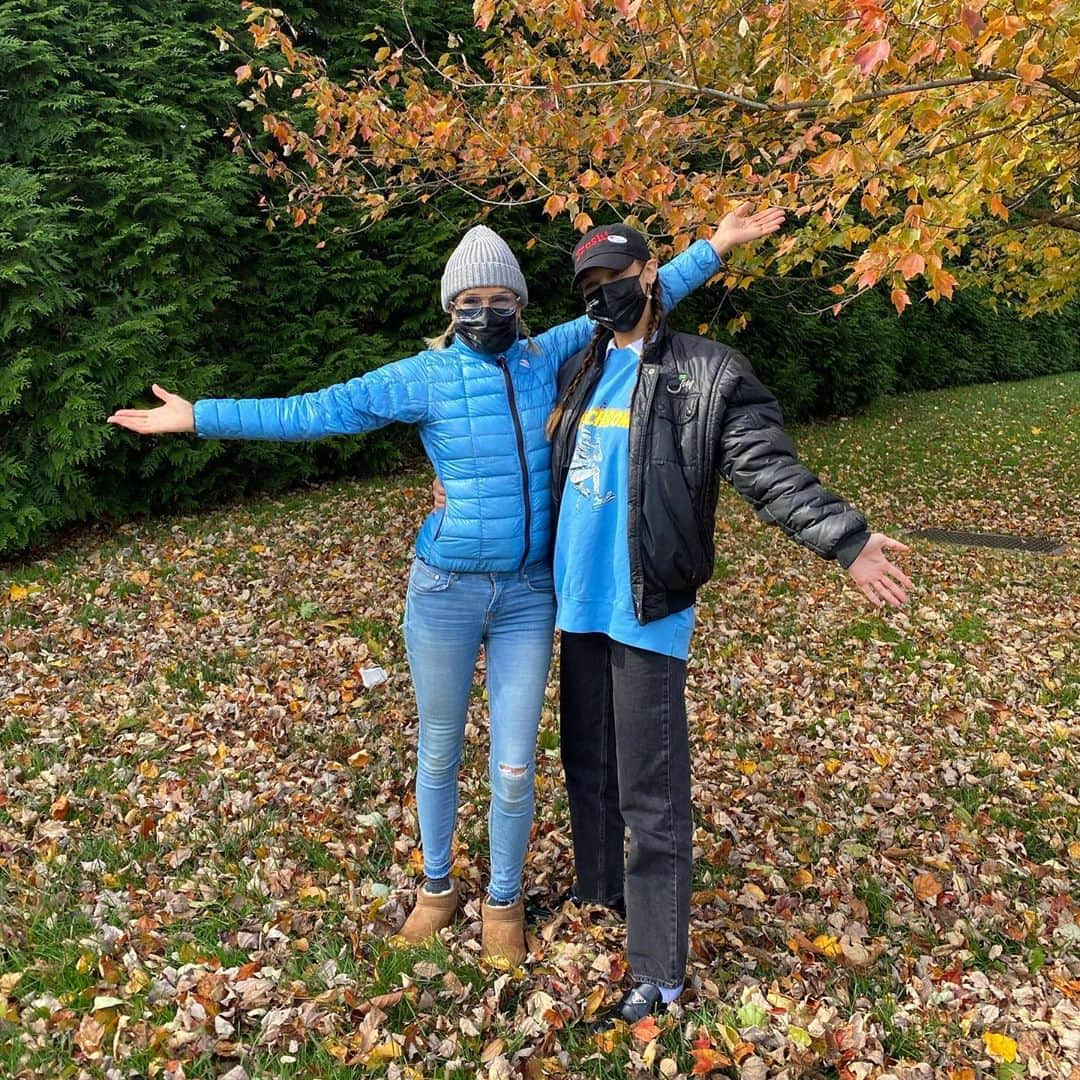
759	459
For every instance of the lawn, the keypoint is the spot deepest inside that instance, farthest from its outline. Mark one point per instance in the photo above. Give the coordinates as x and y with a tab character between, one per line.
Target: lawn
208	834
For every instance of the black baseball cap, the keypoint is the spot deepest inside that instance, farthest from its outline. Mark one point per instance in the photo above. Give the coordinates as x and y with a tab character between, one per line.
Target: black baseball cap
613	247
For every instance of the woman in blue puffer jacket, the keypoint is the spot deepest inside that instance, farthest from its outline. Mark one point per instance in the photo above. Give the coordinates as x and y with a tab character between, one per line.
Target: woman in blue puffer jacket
482	573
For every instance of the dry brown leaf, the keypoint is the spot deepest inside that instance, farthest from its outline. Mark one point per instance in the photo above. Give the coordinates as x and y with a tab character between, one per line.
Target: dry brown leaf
927	886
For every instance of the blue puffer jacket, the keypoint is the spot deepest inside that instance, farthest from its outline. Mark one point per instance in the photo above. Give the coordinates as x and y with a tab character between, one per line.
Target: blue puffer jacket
481	422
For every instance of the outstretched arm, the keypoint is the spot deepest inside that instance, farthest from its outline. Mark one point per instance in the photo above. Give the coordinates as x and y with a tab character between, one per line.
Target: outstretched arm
759	459
879	580
704	258
742	226
174	417
397	391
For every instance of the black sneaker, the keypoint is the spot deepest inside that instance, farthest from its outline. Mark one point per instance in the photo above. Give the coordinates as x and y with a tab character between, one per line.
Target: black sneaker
635	1005
538	912
616	907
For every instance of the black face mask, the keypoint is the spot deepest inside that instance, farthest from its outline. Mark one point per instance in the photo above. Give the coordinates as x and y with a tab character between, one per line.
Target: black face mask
487	332
618	305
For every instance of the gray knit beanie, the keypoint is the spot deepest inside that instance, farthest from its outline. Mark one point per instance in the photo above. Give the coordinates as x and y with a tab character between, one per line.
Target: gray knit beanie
483	259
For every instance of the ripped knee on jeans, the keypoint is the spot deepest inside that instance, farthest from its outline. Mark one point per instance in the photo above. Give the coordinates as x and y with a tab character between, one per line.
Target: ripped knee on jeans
514	783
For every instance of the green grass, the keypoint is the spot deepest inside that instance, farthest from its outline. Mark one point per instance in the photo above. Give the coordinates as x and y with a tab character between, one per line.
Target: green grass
970	629
971	690
878	901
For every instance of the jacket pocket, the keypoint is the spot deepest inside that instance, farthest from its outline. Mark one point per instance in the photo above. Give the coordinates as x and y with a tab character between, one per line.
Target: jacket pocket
673	431
439	527
674	405
676	552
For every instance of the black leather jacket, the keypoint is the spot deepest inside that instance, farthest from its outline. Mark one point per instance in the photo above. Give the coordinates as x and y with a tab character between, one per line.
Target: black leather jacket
697	413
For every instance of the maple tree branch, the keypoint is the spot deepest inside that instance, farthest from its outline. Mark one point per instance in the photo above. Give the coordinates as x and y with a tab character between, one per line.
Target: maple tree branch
477	197
643	41
814	104
1060	87
807	105
502	145
688	49
922	154
1049	217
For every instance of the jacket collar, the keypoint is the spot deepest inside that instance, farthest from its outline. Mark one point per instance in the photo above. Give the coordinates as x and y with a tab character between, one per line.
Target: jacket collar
637	346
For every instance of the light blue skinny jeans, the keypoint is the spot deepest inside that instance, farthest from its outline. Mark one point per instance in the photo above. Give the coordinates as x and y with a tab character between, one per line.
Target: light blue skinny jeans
448	616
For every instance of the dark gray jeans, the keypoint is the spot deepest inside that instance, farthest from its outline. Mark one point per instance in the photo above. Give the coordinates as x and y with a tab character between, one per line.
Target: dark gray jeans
626	756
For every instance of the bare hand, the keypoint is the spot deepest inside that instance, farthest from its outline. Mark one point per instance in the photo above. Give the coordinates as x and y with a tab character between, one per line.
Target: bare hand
740	226
879	580
438	495
175	415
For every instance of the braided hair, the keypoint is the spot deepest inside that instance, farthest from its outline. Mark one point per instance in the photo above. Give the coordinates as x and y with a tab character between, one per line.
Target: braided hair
656	315
556	416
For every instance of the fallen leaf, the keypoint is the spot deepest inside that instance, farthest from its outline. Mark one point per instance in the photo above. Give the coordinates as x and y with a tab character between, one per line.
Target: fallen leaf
492	1050
89	1035
646	1029
828	945
708	1060
1000	1046
927	886
753	1068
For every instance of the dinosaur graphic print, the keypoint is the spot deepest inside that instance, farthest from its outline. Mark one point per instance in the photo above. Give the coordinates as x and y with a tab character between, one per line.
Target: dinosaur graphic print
589	454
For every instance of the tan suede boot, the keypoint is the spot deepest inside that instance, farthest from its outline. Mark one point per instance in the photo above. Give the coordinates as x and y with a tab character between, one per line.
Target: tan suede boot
503	936
430	914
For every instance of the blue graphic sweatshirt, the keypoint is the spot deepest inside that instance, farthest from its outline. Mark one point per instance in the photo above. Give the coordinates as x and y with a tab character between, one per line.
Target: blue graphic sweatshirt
592	551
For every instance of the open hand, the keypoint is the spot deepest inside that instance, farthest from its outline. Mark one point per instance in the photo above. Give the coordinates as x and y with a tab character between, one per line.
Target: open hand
879	580
438	495
740	226
175	415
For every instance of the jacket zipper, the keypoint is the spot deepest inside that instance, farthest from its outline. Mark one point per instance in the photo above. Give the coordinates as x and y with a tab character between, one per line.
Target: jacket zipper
521	458
712	438
636	477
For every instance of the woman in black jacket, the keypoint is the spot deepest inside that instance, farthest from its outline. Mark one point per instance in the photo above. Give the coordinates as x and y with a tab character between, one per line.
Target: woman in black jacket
646	424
